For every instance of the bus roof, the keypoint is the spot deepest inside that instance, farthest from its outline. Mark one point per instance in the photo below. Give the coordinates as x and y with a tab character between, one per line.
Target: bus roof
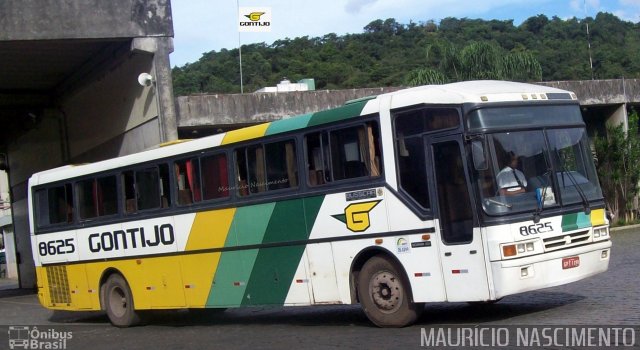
479	91
455	93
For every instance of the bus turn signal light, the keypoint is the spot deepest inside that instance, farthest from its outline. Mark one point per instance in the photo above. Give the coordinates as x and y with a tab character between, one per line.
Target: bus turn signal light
509	250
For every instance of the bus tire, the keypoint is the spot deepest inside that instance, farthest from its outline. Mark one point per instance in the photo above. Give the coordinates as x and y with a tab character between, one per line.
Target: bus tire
384	295
118	302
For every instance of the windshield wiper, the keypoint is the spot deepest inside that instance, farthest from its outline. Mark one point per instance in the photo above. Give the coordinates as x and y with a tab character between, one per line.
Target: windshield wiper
583	197
543	195
498	203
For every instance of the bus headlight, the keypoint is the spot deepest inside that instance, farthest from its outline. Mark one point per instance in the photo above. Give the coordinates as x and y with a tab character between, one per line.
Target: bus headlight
600	233
520	249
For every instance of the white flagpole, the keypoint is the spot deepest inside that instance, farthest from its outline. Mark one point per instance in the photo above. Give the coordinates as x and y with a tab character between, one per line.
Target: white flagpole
240	50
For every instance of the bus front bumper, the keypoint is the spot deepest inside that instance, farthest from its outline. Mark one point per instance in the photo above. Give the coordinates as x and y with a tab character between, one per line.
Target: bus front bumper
549	269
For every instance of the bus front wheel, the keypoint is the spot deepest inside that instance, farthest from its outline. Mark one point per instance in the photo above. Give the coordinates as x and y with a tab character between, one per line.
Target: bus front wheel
384	294
119	302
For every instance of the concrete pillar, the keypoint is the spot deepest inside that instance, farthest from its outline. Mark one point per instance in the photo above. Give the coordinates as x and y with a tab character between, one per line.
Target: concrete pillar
619	116
164	86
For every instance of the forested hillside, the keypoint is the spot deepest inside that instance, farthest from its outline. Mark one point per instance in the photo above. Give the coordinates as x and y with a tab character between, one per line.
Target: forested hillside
389	53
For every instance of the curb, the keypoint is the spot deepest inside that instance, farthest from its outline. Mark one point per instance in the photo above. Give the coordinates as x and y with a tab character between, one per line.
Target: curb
624	228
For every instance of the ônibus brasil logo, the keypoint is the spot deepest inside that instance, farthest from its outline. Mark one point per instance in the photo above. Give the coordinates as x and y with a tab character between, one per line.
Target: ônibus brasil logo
254	19
26	337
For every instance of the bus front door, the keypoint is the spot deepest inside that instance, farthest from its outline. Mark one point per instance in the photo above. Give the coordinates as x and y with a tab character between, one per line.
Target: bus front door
461	250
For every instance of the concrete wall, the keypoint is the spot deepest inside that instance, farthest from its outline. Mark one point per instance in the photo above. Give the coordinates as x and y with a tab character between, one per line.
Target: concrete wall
98	110
111	107
55	19
218	109
601	92
6	228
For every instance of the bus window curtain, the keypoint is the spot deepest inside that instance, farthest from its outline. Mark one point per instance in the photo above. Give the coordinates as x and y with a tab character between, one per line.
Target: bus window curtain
373	160
362	145
193	186
260	171
223	176
291	164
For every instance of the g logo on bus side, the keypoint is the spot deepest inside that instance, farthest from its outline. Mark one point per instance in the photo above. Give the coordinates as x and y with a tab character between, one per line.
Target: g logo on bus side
356	215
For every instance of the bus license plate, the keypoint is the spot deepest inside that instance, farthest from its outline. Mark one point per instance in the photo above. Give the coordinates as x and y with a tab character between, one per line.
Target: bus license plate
569	263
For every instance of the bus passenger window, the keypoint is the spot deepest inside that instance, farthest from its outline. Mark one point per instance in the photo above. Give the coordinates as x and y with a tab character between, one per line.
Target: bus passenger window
148	189
215	178
266	167
97	197
241	172
54	205
354	152
343	154
129	189
188	181
165	192
318	158
255	169
282	169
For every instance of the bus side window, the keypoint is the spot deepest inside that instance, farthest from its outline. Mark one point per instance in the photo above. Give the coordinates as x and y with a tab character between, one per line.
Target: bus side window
129	192
282	169
54	205
188	180
165	192
241	172
343	154
97	197
354	152
215	178
148	189
318	158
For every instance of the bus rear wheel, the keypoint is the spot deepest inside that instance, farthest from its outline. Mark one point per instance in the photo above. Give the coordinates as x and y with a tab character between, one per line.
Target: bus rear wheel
384	294
118	302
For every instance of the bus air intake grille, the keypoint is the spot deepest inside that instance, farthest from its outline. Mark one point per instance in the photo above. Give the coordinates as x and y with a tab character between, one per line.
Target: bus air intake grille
58	285
567	240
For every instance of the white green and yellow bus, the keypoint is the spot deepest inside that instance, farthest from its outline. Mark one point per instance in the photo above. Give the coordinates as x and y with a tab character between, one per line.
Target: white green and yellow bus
470	191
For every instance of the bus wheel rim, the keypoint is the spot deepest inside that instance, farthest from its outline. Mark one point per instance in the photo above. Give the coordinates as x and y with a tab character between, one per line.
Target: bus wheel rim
118	301
386	291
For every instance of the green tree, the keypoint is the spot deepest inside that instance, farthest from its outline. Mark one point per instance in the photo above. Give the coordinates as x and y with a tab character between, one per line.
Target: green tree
618	155
389	53
477	61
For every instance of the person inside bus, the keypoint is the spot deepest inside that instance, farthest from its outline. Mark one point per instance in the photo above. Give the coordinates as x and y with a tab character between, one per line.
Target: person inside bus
510	179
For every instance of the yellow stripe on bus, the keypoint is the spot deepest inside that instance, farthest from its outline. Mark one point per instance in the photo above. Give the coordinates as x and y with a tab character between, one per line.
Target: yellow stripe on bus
210	229
244	134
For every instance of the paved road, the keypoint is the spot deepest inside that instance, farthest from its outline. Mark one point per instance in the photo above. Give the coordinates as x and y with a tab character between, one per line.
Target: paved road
612	299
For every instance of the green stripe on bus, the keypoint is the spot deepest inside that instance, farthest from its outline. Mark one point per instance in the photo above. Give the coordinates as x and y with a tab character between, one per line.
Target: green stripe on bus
345	112
283	125
275	268
575	221
234	269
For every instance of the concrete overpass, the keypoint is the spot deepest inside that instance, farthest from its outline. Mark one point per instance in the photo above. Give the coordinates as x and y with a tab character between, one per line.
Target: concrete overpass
603	101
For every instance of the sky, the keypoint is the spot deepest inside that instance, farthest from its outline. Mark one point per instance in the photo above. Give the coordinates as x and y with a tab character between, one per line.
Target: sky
202	26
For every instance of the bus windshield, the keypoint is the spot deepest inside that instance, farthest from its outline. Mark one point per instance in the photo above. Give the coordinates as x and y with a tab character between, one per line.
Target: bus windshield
537	169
